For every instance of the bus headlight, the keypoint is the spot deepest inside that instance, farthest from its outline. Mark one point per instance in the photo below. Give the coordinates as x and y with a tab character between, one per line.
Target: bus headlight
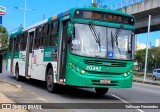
82	72
125	74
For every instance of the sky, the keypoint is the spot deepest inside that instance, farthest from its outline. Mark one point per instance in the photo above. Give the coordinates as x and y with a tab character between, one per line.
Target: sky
48	8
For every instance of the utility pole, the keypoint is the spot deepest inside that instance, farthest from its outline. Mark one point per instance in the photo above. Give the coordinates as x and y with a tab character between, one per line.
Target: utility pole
145	69
25	9
92	2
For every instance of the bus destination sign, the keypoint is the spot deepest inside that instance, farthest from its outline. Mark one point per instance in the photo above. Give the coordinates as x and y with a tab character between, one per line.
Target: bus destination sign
104	16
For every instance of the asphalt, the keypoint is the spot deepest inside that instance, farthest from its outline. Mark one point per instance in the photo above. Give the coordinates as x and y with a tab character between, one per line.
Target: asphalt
36	92
14	94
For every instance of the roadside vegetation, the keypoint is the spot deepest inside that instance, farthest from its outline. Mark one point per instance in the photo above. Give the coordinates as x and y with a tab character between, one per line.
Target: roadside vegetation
3	41
153	59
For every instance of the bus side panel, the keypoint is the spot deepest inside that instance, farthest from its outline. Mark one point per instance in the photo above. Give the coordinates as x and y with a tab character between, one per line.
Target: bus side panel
38	68
30	64
16	60
38	72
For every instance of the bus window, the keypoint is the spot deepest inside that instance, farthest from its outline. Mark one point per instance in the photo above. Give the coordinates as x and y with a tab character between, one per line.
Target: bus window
31	41
55	27
45	35
45	30
41	42
10	44
23	41
53	40
45	41
53	30
38	41
15	41
17	47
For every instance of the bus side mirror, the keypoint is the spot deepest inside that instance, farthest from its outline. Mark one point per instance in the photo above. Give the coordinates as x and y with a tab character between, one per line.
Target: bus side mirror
70	29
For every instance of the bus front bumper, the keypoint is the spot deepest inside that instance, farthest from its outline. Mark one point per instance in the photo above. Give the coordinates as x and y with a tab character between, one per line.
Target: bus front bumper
95	80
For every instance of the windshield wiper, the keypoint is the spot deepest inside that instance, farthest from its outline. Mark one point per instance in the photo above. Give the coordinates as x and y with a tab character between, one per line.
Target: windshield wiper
115	38
94	33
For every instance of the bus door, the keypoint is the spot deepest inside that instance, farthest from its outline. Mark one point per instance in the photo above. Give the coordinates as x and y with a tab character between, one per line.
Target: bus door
12	54
62	55
28	64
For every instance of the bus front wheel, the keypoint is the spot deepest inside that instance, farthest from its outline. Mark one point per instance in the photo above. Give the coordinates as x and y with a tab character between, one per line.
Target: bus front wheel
101	91
51	87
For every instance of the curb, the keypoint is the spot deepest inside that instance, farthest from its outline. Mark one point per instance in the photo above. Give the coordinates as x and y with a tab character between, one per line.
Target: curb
140	81
19	86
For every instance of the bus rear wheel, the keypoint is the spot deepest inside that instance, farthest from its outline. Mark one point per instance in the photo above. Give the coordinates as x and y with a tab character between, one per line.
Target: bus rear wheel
101	91
18	77
51	86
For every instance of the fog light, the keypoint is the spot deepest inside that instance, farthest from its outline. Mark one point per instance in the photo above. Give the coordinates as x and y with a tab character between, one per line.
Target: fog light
82	72
70	64
125	74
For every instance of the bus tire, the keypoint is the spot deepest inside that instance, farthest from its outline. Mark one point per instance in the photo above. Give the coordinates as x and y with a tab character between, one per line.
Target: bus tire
101	91
51	86
18	77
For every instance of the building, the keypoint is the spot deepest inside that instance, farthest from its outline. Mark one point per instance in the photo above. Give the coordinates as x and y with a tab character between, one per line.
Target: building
157	42
140	46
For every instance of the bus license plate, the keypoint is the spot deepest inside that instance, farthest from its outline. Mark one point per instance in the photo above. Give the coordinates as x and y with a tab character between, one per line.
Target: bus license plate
105	81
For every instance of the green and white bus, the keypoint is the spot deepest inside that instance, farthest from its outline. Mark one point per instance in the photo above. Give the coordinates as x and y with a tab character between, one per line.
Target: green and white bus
83	47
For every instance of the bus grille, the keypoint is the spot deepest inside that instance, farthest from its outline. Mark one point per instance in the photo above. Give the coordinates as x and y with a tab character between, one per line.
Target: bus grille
97	82
105	63
91	73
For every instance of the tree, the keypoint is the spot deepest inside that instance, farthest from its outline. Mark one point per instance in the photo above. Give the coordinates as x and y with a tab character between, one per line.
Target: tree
152	61
140	58
3	38
98	3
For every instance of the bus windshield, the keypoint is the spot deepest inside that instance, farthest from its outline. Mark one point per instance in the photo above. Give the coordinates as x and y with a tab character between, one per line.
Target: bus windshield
112	43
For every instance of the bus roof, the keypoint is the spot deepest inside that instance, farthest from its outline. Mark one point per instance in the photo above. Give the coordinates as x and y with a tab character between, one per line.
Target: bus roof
71	12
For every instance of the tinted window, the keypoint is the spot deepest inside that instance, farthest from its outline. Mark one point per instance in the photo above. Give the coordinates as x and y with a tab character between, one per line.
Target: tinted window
23	41
158	71
10	44
53	30
46	35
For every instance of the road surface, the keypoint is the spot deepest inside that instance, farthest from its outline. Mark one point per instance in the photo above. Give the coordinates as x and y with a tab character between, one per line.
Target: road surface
139	93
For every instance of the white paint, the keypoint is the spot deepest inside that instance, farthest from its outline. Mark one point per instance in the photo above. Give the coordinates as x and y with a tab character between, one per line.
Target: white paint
125	101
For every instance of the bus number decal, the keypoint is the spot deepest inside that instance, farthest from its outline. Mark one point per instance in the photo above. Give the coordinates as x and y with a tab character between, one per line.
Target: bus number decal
93	68
47	54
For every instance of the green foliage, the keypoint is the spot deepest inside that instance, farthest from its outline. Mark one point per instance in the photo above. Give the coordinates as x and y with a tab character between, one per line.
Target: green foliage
3	37
153	59
98	3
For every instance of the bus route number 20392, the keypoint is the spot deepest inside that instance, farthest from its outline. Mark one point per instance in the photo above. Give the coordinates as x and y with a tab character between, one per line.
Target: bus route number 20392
93	68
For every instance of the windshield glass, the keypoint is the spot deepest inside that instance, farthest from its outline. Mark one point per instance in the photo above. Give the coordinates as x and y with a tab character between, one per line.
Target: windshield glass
109	44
